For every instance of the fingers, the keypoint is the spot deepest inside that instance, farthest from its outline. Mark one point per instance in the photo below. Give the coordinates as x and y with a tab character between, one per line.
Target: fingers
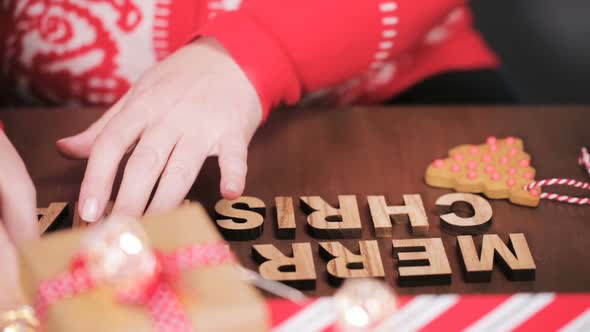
80	145
143	169
17	195
110	146
233	157
180	173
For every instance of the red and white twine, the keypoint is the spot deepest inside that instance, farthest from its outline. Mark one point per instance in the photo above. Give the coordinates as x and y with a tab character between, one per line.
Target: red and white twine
158	296
584	161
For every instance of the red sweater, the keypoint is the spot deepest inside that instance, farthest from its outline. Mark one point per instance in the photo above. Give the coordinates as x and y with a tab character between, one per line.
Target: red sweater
337	51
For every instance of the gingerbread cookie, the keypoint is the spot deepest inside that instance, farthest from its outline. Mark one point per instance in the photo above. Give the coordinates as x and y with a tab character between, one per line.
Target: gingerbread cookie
498	169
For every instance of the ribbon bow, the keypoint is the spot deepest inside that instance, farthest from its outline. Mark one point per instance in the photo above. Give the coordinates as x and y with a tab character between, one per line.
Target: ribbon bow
157	294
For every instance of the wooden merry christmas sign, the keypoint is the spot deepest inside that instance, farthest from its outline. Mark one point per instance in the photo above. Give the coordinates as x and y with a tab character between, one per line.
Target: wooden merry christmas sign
331	228
421	260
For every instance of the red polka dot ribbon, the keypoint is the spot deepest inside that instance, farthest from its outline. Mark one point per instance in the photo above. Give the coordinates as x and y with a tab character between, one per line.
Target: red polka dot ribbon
584	161
157	295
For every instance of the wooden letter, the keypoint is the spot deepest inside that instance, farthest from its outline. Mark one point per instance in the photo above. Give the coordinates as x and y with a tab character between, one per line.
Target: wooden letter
285	218
48	216
479	208
297	271
413	210
343	264
77	222
246	218
517	266
326	222
422	262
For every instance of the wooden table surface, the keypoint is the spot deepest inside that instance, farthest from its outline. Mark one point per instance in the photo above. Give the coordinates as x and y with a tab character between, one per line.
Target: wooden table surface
378	151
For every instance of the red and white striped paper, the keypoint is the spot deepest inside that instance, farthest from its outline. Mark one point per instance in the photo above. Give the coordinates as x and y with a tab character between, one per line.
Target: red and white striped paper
517	312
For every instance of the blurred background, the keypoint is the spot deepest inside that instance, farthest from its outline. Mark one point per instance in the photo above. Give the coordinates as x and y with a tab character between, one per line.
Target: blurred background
544	46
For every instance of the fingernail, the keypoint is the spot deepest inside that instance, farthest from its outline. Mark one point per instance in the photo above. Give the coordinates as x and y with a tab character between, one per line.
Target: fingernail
90	210
232	187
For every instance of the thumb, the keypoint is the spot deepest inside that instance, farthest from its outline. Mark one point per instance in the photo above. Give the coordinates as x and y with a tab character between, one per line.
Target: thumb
11	296
79	145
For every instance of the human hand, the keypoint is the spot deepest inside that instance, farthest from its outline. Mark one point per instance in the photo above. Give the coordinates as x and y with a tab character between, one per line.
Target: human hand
18	220
194	104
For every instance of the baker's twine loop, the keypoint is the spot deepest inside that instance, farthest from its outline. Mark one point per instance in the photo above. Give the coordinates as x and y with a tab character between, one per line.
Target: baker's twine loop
584	161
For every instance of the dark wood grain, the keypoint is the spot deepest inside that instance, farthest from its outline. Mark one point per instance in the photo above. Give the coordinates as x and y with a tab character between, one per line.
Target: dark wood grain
379	151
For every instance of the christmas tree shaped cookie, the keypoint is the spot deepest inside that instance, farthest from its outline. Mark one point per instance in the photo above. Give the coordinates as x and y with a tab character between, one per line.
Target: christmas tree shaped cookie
498	169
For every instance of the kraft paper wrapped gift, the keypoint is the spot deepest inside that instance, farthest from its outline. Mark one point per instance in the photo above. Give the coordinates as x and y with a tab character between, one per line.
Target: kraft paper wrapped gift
215	299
